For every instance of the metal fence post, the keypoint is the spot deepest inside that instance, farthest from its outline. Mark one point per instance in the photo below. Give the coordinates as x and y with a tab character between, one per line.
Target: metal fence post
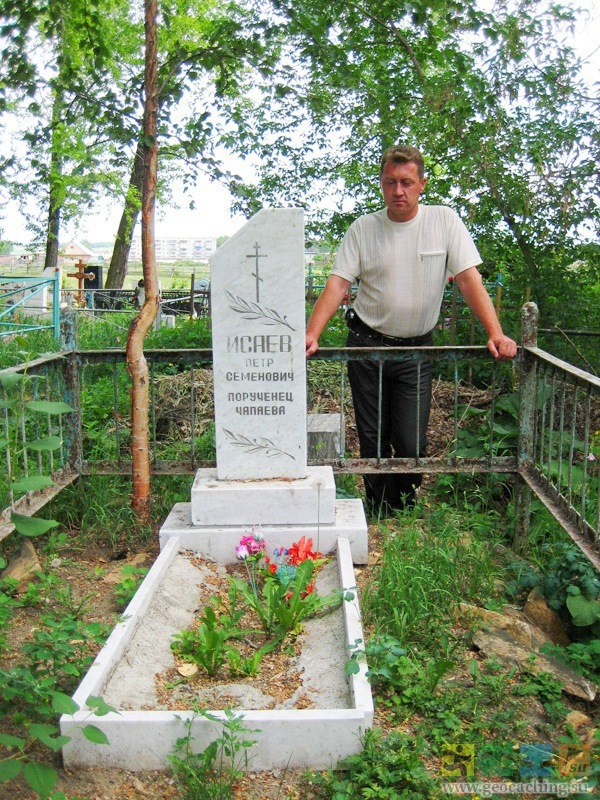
56	303
527	415
72	422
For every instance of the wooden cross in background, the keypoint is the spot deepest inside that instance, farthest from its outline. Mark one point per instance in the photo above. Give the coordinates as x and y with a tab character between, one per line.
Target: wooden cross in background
81	276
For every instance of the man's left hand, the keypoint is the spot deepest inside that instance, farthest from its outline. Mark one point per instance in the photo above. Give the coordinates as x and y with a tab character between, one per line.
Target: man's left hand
502	347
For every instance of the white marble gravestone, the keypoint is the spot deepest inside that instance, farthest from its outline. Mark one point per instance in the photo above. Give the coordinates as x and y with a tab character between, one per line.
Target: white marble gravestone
259	364
259	368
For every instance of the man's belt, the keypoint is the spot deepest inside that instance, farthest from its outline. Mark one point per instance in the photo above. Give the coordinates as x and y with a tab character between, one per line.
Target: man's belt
355	323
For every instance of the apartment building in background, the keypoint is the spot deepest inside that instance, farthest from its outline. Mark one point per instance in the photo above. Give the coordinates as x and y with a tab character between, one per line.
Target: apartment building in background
176	248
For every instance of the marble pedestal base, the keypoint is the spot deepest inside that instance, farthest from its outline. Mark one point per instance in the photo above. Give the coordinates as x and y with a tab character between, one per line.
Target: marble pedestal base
219	541
270	501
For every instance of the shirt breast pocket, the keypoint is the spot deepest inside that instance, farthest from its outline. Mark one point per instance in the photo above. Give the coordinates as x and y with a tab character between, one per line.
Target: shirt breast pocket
433	261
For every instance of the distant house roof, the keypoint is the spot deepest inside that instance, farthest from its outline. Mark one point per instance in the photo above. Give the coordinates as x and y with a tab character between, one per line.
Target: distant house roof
75	249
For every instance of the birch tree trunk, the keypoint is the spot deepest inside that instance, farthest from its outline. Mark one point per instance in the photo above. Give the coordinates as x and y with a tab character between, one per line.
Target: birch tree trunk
136	361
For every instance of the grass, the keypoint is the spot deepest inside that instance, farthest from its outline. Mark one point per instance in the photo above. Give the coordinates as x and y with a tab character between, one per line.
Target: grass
424	573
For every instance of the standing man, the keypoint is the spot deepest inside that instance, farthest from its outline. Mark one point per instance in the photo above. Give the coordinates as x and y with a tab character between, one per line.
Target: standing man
401	257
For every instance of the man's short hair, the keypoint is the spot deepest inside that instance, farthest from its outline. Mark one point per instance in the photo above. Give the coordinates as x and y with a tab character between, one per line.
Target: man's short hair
403	154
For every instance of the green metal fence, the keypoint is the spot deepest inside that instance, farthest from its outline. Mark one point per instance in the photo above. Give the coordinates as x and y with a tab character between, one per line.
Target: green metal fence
537	421
29	304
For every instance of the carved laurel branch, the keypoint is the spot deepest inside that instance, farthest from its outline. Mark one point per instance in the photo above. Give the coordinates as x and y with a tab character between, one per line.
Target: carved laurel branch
256	445
268	316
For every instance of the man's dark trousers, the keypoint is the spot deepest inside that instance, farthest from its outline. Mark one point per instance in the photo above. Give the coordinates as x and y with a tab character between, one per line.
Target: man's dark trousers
403	435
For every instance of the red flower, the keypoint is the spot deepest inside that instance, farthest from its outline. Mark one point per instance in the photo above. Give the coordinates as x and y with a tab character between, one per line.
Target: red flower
309	590
302	551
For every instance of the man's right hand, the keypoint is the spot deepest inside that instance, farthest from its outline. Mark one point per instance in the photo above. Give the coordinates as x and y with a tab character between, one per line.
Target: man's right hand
327	304
312	344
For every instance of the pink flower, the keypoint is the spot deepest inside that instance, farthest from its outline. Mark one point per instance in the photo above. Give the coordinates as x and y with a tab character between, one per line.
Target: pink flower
242	552
252	544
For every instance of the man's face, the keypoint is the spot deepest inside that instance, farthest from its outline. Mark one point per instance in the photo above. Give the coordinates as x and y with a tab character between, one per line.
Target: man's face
401	187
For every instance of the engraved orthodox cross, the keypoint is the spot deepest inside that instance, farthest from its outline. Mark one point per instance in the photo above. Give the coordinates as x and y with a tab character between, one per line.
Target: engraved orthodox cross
256	274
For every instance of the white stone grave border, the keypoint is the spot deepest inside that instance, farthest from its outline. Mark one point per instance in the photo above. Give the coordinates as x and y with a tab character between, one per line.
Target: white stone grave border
293	738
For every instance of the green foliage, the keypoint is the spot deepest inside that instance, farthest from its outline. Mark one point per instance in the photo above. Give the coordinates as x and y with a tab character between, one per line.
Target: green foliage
21	349
104	399
205	645
280	606
389	768
567	580
501	134
35	689
583	657
323	385
212	773
422	670
399	677
495	436
102	331
335	332
547	689
30	426
126	588
424	572
187	334
99	508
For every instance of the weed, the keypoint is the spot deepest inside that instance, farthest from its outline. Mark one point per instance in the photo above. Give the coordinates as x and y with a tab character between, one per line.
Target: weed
211	774
129	584
583	657
547	688
99	508
206	644
389	768
423	574
346	487
567	580
35	689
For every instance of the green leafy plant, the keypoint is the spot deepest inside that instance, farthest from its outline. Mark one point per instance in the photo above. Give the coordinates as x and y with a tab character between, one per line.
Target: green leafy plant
41	777
212	773
547	688
389	768
583	657
25	419
282	607
129	583
496	435
281	590
567	580
205	645
34	688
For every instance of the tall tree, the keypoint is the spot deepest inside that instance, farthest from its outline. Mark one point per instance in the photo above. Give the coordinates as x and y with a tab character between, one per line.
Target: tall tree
52	55
494	98
136	361
205	50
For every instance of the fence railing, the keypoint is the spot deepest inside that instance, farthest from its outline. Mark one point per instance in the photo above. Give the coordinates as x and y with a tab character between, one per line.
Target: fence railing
535	419
29	304
559	449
